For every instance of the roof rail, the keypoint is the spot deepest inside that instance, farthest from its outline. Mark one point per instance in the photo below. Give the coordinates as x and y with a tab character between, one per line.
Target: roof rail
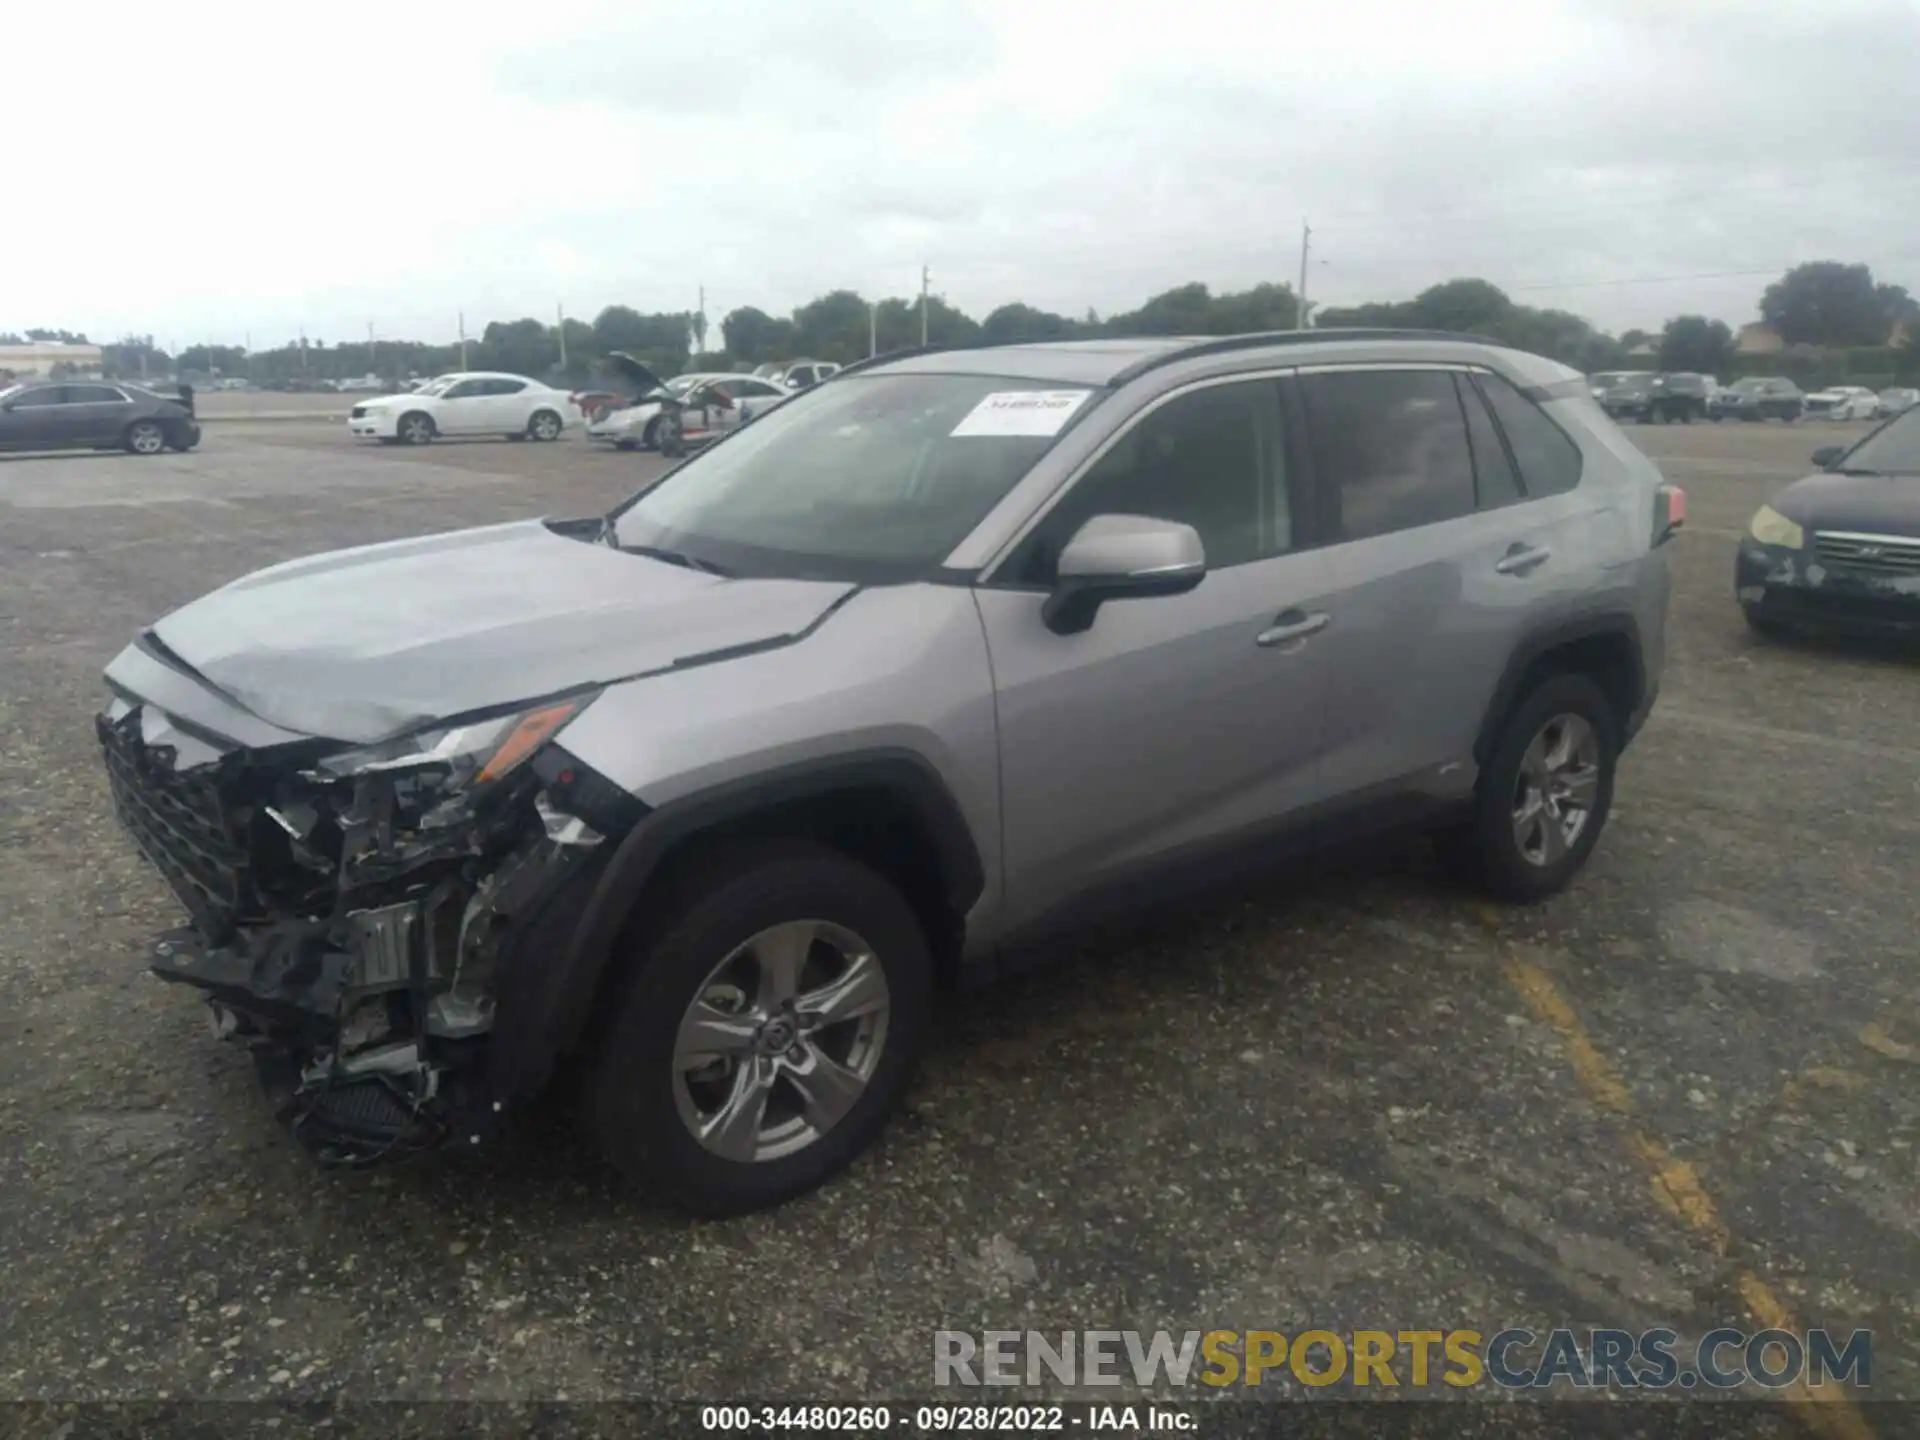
887	355
1226	344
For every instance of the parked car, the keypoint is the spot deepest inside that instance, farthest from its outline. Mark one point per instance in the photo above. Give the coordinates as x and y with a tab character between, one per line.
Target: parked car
710	796
1607	380
1681	396
1842	402
1840	549
1757	397
97	415
468	403
1891	402
1629	397
725	402
797	374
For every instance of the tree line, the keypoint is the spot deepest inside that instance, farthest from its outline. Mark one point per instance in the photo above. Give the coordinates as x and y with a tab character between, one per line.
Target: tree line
1819	304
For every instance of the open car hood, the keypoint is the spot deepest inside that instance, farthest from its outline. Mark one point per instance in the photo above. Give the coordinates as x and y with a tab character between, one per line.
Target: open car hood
644	381
359	645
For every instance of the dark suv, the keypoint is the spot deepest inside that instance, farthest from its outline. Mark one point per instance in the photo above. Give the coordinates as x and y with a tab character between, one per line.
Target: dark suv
1758	397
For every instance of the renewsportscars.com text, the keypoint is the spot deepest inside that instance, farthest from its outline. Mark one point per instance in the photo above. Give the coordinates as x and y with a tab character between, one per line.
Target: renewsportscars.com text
1656	1359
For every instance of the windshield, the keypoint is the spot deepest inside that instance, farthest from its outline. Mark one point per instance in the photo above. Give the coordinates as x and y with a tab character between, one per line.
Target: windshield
872	476
1752	387
1893	449
1607	379
7	392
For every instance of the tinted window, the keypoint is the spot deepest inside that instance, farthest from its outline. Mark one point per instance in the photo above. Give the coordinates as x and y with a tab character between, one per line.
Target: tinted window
505	387
1201	459
94	395
1391	450
1549	461
1495	484
45	395
756	389
802	376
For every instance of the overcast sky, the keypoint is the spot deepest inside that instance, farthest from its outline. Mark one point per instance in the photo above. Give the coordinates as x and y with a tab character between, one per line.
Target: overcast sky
213	172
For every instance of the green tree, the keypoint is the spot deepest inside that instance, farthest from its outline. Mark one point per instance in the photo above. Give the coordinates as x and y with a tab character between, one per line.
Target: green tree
1825	302
1017	322
833	327
1183	310
1474	306
1695	343
752	336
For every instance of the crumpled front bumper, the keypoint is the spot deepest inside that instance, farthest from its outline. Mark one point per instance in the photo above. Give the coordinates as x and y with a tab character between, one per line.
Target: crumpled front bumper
1792	587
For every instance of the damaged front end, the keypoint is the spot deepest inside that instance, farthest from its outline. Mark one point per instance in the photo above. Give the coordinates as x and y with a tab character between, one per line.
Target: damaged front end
354	910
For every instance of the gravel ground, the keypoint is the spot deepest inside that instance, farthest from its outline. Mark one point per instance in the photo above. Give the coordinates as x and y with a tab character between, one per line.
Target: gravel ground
1349	1097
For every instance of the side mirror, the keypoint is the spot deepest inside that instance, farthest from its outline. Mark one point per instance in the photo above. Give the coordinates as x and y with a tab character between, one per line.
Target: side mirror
1827	454
1116	557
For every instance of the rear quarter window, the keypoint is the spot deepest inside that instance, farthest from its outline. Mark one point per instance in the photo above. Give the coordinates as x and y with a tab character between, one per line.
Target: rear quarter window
1548	459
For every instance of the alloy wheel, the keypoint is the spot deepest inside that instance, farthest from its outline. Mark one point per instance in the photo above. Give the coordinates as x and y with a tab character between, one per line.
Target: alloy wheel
781	1041
147	439
1556	788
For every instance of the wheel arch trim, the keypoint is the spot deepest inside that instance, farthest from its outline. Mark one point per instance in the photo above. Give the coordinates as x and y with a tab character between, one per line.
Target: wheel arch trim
550	1017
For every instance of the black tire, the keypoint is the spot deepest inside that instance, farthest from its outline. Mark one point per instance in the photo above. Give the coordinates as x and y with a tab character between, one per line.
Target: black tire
416	427
650	437
1764	626
545	425
145	437
741	892
1485	849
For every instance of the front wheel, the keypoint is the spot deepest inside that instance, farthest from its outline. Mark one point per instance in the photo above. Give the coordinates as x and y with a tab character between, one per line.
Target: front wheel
415	429
771	1023
145	437
1543	798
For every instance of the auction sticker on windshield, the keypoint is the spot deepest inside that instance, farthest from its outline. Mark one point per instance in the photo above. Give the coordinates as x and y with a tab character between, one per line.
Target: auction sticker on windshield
1021	412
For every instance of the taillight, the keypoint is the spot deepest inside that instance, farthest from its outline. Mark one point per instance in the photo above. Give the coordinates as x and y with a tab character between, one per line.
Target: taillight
1669	512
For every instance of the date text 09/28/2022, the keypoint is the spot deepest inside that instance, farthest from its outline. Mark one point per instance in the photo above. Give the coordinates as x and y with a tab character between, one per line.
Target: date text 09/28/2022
949	1419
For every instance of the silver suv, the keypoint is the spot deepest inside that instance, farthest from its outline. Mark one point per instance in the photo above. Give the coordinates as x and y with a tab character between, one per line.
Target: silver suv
701	803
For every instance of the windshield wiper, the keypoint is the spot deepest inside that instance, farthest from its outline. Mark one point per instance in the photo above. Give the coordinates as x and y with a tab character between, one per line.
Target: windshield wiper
675	557
1852	470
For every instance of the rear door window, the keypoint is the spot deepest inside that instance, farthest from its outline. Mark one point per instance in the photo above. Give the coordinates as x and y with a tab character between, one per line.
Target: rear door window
1495	481
1390	450
1549	461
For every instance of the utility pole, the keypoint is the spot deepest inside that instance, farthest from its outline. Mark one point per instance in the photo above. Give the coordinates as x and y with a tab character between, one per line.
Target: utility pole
560	329
463	339
924	278
1306	239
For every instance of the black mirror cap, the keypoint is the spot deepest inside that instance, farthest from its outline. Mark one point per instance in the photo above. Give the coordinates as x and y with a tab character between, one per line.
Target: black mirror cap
1070	608
1828	455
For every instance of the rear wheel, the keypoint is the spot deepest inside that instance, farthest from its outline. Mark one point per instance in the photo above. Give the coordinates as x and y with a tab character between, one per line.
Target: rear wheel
146	437
545	425
771	1023
1543	798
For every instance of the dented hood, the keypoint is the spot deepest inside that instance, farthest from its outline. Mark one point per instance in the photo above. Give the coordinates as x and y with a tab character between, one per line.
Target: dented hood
358	645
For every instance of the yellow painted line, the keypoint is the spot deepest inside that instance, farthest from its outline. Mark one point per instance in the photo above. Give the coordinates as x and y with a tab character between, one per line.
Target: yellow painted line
1677	1187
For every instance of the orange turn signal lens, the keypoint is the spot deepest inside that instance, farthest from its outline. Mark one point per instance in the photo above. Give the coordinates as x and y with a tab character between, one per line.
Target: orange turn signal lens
536	727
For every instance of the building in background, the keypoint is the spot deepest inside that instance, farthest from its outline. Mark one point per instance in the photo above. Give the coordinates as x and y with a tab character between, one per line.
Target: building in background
37	360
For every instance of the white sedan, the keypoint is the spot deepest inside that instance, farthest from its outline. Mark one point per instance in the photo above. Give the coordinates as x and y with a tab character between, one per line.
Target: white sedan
637	426
472	402
1842	402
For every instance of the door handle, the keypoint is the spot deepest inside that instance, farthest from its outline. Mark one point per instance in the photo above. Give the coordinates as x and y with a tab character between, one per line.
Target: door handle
1523	558
1292	625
